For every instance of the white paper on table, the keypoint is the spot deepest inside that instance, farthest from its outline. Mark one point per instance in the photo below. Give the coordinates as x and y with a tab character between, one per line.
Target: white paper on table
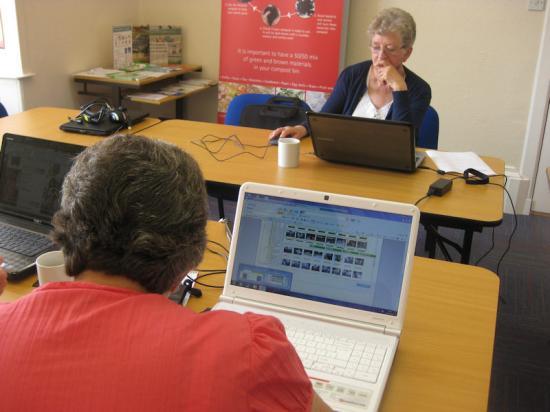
459	161
147	96
98	72
198	82
148	73
179	89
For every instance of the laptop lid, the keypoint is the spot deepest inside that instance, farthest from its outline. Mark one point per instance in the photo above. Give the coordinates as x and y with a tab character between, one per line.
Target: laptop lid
105	127
322	254
31	175
361	141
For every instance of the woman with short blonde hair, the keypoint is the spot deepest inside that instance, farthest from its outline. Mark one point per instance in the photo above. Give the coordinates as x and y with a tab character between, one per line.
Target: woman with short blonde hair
380	88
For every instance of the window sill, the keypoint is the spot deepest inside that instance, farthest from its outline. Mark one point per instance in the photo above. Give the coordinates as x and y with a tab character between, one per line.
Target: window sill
16	76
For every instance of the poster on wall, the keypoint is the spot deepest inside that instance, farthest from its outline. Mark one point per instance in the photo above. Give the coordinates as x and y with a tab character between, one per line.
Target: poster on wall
288	47
1	32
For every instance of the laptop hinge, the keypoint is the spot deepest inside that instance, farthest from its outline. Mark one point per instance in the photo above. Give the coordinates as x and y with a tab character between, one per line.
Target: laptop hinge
25	223
303	313
392	332
224	298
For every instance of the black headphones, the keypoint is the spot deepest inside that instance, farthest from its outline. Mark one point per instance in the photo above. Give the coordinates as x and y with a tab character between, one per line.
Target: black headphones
119	115
95	111
475	177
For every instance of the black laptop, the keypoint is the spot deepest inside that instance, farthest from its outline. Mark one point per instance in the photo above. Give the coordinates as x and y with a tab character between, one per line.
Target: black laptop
31	175
365	142
104	127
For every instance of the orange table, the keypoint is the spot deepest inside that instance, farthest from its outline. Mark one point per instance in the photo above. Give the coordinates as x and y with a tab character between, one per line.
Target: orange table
467	207
444	358
44	122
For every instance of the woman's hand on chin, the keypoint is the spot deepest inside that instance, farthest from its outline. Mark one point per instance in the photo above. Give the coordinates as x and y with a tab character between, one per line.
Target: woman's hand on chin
390	76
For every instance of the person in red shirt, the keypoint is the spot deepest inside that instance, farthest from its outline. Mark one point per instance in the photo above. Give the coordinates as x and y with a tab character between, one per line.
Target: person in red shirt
131	225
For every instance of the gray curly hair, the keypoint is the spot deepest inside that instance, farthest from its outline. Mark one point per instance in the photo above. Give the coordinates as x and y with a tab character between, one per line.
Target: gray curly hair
394	20
135	207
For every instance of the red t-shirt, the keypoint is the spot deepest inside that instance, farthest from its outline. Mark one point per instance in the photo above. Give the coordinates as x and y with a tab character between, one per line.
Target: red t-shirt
79	346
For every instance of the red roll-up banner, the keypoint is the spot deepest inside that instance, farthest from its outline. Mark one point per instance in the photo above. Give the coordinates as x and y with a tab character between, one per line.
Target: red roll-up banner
288	47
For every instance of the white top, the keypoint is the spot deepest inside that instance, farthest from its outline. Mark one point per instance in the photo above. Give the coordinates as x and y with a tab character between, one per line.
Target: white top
365	107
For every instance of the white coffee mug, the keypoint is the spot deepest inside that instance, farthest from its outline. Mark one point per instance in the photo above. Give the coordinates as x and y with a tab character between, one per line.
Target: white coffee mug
289	152
50	267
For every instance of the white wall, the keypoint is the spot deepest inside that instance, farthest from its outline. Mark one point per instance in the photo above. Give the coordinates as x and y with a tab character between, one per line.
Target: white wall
62	37
10	59
478	56
200	21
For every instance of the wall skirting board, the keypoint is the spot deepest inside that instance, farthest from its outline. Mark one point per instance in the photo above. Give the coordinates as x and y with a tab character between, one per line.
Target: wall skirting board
518	186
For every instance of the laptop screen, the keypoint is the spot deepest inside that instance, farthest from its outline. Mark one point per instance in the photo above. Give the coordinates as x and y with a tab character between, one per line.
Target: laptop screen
362	141
327	253
31	175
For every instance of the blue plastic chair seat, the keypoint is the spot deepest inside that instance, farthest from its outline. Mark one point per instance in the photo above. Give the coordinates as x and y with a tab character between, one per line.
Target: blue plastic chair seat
3	112
429	130
237	105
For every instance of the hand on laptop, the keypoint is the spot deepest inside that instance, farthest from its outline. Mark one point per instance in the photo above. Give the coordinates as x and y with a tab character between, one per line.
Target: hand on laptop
3	276
297	132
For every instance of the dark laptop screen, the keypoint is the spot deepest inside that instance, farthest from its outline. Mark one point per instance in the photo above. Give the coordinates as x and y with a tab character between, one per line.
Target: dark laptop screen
31	175
361	141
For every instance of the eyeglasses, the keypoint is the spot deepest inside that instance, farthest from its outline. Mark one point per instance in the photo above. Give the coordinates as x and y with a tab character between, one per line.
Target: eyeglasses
389	51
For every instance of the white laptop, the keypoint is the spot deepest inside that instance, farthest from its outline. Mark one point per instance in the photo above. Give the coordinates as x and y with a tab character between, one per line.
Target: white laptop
335	270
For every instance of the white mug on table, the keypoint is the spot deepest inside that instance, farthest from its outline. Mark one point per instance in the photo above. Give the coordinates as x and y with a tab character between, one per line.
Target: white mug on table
289	152
50	267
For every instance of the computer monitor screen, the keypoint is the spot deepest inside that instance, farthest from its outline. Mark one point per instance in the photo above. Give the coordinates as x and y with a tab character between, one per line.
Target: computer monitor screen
334	254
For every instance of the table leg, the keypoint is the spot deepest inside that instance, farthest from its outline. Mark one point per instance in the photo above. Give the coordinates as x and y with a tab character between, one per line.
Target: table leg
429	244
221	212
180	109
222	191
466	246
119	96
434	239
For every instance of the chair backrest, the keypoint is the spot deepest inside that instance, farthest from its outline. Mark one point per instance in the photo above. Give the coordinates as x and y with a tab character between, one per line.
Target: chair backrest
236	107
3	112
429	130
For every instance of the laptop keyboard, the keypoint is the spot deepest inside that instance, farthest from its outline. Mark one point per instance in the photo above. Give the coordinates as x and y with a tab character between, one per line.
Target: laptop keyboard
337	356
22	241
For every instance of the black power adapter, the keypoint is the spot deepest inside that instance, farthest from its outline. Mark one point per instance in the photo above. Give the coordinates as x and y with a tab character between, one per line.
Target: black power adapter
440	187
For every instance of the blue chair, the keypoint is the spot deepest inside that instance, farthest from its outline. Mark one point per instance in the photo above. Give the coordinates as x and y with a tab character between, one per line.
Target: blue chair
237	105
429	130
3	112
